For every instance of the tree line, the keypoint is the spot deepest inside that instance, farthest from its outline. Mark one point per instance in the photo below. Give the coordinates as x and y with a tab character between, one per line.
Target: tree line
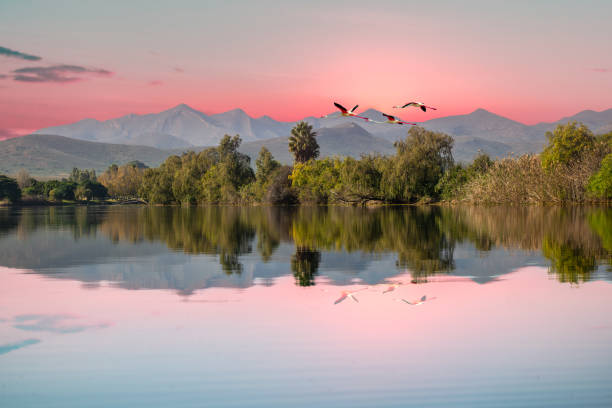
575	166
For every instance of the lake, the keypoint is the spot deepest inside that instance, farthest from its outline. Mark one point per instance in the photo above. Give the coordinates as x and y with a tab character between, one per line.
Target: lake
134	306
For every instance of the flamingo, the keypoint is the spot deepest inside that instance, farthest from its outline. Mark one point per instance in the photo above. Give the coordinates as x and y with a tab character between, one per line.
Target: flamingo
418	301
393	120
416	105
392	287
346	112
348	294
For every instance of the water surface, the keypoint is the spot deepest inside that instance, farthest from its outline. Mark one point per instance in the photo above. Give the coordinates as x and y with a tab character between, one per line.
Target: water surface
228	306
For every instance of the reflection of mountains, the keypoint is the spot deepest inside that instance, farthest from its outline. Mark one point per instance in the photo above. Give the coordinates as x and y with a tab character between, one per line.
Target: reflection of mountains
158	247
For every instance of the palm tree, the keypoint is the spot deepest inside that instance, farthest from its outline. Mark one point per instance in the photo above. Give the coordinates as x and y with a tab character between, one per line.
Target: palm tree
302	143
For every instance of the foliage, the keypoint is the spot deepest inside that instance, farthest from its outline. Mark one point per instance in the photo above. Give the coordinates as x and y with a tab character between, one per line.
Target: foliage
63	191
418	166
90	190
566	143
123	181
303	143
600	184
279	188
9	189
80	176
314	180
451	185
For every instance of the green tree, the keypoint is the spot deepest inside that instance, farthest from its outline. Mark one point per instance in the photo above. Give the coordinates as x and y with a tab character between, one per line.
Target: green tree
80	176
265	165
600	184
566	143
420	162
303	143
9	189
224	180
90	190
315	179
63	191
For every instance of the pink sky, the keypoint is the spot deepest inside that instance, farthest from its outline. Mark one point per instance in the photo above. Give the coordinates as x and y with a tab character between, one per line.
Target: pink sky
529	62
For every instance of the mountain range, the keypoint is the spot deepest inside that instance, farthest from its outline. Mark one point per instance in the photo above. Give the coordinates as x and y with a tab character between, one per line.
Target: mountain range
185	127
150	138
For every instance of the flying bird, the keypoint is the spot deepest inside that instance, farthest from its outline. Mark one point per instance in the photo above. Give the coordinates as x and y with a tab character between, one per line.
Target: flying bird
416	105
393	120
347	294
346	112
418	301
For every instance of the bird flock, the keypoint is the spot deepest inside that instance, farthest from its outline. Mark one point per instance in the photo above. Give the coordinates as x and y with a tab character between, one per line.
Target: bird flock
390	118
346	294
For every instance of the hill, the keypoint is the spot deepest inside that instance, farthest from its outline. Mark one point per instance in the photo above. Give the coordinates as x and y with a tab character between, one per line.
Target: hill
55	156
51	155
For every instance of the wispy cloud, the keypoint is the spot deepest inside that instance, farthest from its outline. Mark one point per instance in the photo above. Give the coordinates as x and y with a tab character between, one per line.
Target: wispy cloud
6	348
54	323
7	52
601	69
56	73
155	83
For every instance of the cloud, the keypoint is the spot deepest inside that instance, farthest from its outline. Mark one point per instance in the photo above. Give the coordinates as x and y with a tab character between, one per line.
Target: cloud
601	69
6	348
2	76
56	73
155	83
54	323
16	54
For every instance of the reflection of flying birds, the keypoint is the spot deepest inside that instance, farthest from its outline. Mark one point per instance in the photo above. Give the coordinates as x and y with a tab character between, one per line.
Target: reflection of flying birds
416	105
346	112
392	287
348	294
393	120
418	301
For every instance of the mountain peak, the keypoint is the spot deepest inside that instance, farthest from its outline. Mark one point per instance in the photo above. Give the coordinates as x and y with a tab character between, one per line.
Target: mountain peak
182	107
481	111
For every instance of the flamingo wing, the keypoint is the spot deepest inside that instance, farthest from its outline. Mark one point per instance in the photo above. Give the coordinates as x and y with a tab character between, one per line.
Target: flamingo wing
342	108
423	108
424	298
340	299
410	303
388	116
407	123
354	298
353	110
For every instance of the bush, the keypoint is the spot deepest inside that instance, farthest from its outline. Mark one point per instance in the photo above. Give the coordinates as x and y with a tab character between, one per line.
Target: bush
64	191
9	189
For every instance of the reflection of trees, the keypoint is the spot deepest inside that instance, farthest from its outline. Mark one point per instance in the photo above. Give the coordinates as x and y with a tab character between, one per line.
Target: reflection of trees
574	239
568	263
9	219
80	220
304	265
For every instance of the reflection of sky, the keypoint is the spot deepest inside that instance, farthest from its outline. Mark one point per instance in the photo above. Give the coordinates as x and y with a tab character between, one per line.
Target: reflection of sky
527	340
8	347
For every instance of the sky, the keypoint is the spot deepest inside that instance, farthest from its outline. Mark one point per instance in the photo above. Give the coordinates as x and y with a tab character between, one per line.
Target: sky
530	61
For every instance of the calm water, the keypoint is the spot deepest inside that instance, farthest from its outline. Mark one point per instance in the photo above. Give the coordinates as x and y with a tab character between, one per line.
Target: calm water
243	307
